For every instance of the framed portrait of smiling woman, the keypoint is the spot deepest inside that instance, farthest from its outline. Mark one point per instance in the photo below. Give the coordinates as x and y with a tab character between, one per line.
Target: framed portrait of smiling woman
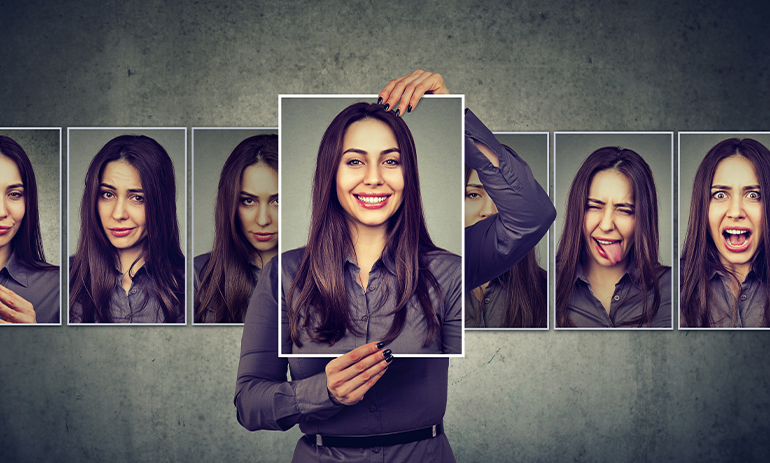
370	246
723	230
127	208
613	192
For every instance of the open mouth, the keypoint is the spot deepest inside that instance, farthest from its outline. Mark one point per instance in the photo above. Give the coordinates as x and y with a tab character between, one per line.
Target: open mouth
609	249
737	239
372	201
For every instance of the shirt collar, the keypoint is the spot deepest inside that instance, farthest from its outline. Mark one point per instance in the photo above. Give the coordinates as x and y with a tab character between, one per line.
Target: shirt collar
16	270
632	272
385	261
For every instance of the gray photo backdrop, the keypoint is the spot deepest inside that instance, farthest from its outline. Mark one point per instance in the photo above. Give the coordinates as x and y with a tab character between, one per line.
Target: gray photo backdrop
163	394
436	126
211	148
83	146
692	149
533	149
571	150
43	148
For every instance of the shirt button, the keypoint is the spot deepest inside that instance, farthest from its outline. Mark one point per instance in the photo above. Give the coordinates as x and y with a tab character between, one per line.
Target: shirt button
743	297
365	318
376	450
372	408
616	297
486	300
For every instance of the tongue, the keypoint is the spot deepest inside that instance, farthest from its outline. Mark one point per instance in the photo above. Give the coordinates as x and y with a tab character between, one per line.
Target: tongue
737	240
612	251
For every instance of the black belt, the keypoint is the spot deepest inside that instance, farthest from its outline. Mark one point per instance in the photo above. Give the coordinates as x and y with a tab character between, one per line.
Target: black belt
383	440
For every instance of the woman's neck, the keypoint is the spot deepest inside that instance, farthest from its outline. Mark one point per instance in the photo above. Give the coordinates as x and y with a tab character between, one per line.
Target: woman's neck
601	275
264	256
368	244
127	258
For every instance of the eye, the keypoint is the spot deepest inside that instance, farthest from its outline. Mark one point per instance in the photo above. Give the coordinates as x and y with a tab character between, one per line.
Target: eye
718	195
472	195
354	162
753	195
392	162
626	211
275	201
593	207
107	195
246	201
16	195
137	199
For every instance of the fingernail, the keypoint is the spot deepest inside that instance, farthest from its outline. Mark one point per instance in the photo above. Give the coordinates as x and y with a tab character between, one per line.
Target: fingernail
380	345
379	100
409	109
387	106
398	112
389	359
387	353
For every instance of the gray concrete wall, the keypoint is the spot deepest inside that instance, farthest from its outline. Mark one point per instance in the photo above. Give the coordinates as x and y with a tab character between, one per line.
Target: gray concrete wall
129	394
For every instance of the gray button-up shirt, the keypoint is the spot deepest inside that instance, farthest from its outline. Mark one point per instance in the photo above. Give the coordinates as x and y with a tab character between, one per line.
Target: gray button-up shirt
40	287
751	305
140	305
373	308
586	311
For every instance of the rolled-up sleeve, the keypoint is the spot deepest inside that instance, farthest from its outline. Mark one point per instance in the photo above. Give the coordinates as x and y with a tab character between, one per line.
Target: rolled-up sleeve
497	243
264	398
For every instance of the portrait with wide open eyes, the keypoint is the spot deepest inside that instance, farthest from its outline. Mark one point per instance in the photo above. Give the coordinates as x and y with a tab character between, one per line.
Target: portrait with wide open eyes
127	225
235	218
517	299
723	230
30	236
613	247
374	178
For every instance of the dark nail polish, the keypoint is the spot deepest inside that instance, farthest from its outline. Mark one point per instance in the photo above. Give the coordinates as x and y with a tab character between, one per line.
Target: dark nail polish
409	109
389	359
379	100
380	345
387	106
398	112
387	353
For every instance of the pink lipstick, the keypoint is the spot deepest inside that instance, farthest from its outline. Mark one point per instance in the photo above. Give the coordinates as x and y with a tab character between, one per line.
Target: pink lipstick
121	232
263	236
4	230
372	201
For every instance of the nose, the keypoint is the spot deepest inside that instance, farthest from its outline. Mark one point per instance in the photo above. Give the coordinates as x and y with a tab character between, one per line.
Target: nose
735	208
264	218
120	212
488	208
607	223
373	175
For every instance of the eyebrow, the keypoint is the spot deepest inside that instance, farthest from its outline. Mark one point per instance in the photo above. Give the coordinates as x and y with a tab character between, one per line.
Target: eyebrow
130	190
628	205
382	153
726	187
15	185
474	185
243	193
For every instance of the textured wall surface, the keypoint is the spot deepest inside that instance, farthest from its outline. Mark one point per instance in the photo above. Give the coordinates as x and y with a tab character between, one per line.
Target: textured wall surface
128	394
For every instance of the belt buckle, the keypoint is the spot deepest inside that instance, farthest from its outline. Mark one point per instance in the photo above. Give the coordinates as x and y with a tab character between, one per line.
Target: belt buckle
319	440
433	429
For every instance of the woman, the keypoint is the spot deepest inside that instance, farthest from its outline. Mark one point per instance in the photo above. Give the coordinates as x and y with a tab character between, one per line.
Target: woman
724	262
387	410
29	286
128	267
246	234
607	269
517	298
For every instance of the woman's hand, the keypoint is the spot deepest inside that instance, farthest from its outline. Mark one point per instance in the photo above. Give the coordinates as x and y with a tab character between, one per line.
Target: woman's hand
410	88
14	308
349	376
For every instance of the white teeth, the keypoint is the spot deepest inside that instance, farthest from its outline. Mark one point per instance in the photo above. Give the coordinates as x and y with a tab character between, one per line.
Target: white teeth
372	199
604	242
736	232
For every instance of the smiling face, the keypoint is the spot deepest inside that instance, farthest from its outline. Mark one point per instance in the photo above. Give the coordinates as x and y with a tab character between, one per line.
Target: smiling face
370	180
121	206
258	209
736	214
609	222
12	203
478	204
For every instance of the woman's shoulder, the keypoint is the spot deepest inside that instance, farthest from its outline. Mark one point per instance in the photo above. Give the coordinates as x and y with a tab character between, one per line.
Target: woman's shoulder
200	262
290	260
441	260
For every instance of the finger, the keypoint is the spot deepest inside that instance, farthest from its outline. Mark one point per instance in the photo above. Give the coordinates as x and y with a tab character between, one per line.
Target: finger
427	82
7	313
344	361
349	379
15	301
397	90
354	390
388	89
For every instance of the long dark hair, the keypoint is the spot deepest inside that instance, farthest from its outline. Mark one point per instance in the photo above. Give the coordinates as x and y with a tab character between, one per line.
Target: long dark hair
27	243
92	277
700	255
525	286
644	252
318	293
227	280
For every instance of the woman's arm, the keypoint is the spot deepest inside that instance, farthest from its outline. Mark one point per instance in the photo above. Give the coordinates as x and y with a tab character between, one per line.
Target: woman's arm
497	243
264	399
525	212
